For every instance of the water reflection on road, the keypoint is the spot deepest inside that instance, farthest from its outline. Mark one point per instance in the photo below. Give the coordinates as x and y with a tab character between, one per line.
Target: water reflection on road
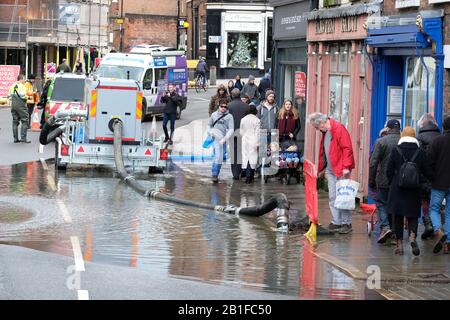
117	226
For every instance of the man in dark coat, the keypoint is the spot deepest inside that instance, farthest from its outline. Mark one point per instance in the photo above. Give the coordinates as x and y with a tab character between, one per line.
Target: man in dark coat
378	180
172	101
428	131
439	158
405	202
238	110
264	85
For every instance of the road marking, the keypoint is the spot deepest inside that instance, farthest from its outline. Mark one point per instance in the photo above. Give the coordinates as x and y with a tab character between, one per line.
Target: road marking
41	148
79	262
64	211
83	295
44	164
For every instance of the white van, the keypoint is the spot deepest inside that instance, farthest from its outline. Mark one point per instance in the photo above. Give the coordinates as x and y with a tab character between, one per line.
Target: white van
153	72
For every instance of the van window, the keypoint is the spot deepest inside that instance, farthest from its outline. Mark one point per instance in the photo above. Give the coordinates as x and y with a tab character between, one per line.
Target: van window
65	89
160	74
119	72
148	78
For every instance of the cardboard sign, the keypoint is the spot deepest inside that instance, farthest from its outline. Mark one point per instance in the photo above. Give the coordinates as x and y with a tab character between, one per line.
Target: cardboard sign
300	84
8	76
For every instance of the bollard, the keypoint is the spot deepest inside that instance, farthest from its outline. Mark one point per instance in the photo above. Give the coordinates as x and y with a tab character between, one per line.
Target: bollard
212	75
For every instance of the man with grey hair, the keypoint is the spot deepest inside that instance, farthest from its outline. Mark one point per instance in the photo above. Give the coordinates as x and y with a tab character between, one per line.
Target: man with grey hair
336	158
238	110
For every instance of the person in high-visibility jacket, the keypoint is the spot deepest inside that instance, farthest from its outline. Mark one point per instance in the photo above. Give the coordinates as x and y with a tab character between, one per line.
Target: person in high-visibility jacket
32	96
18	95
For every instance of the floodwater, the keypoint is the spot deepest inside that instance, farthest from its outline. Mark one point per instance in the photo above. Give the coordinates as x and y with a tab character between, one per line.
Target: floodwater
117	226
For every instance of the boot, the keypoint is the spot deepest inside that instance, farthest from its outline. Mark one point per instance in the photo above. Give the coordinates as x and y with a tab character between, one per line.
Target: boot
428	233
414	247
399	247
441	239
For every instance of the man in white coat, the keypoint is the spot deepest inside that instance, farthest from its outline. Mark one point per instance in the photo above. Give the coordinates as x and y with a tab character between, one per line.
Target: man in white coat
250	130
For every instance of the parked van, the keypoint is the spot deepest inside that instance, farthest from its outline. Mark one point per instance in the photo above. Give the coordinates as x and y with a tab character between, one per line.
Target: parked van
153	72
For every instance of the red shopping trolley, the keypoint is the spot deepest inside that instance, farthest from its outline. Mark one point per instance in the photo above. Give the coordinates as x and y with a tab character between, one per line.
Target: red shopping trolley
370	209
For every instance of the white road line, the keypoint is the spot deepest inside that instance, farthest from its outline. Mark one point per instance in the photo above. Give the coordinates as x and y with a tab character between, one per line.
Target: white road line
64	211
79	262
41	148
44	164
83	295
51	182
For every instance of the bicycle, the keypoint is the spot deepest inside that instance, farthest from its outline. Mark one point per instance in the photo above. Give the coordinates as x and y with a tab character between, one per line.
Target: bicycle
200	82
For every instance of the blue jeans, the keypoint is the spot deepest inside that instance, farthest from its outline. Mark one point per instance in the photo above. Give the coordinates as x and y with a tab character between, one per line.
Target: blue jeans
437	196
381	202
166	118
219	152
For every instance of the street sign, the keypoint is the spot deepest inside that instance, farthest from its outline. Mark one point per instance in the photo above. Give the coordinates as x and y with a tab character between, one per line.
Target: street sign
8	76
215	39
119	21
69	14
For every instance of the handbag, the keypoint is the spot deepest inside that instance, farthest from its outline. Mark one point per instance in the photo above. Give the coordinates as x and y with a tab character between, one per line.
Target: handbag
209	139
346	190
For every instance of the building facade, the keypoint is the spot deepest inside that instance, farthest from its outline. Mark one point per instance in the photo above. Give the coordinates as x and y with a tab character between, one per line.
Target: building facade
340	76
289	60
239	37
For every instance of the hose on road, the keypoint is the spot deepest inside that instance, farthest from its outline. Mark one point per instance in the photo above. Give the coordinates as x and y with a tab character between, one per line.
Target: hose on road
279	201
50	131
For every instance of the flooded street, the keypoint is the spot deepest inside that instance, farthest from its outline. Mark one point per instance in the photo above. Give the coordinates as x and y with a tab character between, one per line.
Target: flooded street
116	226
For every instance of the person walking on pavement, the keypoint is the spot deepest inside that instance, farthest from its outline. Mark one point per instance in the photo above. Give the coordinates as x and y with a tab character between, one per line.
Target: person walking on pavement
18	95
172	101
64	67
404	200
288	122
238	82
336	159
378	180
215	99
428	131
230	87
238	110
221	128
267	113
251	89
264	85
439	158
32	95
249	130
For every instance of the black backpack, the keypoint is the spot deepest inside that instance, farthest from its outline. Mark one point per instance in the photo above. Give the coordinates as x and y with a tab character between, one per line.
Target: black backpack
409	175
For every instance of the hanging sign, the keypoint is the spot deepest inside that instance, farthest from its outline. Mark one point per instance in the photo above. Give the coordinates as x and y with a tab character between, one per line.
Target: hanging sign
300	84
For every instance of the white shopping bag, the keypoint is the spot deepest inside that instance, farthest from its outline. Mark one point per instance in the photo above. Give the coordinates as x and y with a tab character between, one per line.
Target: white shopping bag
346	190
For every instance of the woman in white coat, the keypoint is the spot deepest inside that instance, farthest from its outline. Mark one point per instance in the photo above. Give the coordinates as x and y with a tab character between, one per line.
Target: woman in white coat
249	130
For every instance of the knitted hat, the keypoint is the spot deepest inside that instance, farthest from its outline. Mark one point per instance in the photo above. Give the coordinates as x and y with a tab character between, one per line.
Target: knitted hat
446	123
251	77
269	92
408	132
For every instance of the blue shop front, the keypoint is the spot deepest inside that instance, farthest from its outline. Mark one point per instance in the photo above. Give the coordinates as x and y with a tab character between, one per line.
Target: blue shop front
407	58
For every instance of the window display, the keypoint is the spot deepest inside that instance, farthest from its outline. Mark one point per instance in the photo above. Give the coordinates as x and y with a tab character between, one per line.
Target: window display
242	50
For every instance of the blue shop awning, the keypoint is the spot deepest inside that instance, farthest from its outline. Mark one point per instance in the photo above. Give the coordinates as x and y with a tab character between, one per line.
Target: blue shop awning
398	40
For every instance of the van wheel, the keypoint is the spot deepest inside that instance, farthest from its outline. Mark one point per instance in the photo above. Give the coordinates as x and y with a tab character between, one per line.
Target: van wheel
178	113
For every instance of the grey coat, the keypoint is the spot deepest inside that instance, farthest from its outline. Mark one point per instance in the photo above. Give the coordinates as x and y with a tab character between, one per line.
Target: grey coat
251	90
223	128
380	158
268	117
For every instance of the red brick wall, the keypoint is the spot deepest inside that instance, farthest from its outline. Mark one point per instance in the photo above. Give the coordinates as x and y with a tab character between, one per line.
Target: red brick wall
151	29
389	9
156	7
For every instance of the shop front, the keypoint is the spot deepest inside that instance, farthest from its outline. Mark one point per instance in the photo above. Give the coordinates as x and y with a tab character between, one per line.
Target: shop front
289	62
340	79
407	59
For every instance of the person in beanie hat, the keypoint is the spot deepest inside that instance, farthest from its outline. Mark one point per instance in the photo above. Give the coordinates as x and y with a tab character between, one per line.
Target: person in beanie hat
439	158
251	89
406	202
378	180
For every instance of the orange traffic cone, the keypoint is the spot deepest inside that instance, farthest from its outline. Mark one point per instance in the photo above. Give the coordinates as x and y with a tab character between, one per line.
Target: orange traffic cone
35	123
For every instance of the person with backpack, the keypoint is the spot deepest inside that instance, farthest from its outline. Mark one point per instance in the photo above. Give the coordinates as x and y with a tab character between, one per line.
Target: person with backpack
406	164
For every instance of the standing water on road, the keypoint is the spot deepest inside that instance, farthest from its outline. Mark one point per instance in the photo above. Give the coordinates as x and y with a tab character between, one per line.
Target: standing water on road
117	226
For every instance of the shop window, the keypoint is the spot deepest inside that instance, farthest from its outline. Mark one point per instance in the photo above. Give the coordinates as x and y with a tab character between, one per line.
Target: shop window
242	50
203	31
269	39
331	3
417	87
339	98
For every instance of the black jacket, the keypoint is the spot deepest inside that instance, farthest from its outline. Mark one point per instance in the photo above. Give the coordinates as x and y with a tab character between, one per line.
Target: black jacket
239	110
171	102
427	134
380	158
439	159
264	85
401	201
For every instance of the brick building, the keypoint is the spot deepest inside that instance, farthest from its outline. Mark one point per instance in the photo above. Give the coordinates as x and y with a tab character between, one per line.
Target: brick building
135	22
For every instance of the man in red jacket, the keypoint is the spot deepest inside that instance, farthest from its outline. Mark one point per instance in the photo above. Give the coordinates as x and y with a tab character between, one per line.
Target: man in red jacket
336	158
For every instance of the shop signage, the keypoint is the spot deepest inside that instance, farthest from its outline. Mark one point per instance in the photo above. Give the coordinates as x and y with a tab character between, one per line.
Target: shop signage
69	14
437	1
215	39
395	100
349	24
300	84
325	26
8	76
290	21
406	3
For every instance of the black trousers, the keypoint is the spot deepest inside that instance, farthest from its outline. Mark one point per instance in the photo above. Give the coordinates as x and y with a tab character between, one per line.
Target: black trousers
235	166
413	224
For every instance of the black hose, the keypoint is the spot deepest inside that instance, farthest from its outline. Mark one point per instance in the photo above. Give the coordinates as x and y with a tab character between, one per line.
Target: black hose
278	201
50	131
